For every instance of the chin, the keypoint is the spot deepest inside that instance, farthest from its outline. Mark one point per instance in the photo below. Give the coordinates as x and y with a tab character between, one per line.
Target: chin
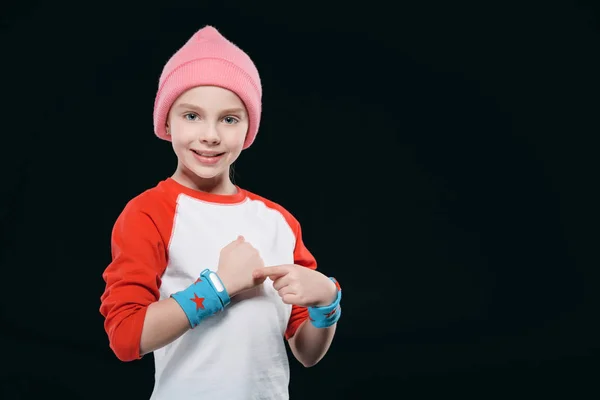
207	173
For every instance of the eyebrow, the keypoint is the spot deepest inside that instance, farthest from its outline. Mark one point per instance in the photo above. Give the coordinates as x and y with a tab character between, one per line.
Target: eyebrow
233	110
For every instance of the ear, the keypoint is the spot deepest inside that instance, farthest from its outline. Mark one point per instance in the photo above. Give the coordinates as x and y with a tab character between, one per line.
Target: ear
167	129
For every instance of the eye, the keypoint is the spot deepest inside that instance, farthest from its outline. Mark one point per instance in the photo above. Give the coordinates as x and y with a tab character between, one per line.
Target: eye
190	116
231	120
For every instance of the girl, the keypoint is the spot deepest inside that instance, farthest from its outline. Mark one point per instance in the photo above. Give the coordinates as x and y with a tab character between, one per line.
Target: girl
210	277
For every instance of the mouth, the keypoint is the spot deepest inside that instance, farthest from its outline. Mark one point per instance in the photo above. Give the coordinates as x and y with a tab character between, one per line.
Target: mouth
207	158
207	154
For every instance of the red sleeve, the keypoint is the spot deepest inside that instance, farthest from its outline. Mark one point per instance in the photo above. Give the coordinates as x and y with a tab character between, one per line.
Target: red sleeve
139	258
301	257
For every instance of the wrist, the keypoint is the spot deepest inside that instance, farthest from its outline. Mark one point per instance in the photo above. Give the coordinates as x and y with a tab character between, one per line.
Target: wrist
324	317
199	301
218	286
228	283
331	294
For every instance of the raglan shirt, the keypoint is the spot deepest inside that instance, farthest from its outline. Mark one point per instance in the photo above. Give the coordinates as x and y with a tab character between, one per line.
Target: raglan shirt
160	243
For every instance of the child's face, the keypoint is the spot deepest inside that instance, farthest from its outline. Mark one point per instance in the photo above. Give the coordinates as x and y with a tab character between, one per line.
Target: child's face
208	126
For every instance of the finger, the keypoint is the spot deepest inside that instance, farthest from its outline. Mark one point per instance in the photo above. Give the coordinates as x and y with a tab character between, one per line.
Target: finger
281	282
291	298
285	291
271	272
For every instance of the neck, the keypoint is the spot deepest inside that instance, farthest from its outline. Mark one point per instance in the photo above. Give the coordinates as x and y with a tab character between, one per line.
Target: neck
217	185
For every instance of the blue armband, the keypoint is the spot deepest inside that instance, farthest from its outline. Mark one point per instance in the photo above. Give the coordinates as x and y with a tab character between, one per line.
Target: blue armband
203	298
323	317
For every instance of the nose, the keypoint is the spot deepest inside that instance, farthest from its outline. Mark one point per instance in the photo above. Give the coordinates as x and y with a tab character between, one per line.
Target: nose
210	135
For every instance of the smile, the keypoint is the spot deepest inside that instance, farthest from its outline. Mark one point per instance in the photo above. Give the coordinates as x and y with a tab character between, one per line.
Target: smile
207	157
207	153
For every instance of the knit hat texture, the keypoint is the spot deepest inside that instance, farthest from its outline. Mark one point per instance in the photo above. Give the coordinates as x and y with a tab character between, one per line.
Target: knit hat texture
209	59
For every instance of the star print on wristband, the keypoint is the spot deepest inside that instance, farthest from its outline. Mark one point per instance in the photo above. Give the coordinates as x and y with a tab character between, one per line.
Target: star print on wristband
197	281
329	314
199	302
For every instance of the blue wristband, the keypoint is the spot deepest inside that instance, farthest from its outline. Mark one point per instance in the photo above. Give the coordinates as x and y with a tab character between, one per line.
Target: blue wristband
324	317
216	283
199	301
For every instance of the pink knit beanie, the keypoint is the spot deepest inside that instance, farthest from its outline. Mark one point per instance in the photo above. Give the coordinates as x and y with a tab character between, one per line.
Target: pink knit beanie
209	59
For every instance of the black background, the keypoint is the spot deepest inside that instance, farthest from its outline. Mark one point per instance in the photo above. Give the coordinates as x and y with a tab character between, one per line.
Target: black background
440	157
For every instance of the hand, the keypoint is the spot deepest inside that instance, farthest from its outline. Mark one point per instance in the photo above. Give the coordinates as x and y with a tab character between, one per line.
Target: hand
299	285
236	262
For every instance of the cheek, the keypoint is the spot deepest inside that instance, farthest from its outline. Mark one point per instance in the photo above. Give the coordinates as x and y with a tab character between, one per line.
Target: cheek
180	144
234	140
234	145
181	135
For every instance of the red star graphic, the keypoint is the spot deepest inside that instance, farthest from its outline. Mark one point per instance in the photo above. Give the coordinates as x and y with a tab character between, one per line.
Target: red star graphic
329	314
198	301
197	281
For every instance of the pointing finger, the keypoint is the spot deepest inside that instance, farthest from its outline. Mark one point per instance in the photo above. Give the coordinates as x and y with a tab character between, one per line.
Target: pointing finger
271	272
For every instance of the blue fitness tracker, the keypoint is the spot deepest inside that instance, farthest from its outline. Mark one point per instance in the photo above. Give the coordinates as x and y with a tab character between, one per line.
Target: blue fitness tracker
216	283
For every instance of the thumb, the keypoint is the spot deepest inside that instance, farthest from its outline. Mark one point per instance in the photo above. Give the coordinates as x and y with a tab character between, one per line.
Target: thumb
234	243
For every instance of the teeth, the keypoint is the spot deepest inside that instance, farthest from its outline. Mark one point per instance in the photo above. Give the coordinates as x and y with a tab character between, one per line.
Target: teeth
206	155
